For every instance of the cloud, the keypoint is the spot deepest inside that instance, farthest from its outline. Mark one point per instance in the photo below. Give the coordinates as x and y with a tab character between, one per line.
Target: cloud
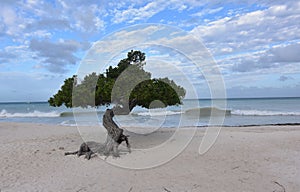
142	13
283	54
11	22
87	20
206	12
56	55
133	11
83	16
247	38
286	57
284	78
6	56
49	23
39	34
26	17
252	30
8	2
243	91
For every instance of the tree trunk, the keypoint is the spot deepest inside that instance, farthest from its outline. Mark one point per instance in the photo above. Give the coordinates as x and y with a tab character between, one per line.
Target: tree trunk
115	134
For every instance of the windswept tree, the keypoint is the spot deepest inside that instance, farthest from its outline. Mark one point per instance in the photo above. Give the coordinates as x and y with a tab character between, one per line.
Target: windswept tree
127	85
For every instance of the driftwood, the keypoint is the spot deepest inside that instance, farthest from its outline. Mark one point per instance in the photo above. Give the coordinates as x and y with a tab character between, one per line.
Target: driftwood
83	150
114	138
283	189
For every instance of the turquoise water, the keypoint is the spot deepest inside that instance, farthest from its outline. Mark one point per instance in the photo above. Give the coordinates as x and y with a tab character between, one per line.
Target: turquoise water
240	112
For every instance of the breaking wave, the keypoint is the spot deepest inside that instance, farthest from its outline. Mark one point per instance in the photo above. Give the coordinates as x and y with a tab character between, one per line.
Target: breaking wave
263	113
205	111
5	114
158	113
208	111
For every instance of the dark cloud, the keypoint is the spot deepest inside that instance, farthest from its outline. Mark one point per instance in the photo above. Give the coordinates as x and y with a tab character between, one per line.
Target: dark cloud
248	65
56	55
272	58
289	53
284	78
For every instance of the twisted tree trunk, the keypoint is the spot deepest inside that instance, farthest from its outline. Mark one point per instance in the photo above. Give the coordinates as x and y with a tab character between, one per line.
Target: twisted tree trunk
115	134
114	137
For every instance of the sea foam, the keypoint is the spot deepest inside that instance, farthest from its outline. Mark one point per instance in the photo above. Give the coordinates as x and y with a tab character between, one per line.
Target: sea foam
5	114
263	113
158	113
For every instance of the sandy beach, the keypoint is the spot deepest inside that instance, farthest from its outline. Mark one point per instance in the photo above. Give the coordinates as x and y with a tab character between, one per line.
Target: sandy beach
265	158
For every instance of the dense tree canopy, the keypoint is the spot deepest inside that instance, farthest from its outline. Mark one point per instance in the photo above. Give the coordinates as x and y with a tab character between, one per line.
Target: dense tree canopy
122	80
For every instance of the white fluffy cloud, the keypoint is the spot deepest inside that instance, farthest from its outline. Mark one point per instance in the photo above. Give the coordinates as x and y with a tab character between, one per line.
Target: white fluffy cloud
132	11
253	30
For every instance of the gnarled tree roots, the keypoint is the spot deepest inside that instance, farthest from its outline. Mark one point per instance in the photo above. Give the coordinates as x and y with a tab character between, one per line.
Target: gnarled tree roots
114	138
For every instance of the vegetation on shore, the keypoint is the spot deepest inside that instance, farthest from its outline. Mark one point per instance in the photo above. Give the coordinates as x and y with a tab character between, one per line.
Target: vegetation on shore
102	85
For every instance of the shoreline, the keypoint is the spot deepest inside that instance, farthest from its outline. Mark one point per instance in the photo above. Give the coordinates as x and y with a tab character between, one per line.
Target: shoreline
257	158
199	126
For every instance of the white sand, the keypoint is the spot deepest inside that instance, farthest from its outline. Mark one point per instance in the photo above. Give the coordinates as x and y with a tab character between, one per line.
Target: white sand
242	159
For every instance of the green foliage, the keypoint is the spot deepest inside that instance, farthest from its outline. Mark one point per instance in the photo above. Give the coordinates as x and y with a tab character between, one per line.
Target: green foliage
64	95
128	80
157	89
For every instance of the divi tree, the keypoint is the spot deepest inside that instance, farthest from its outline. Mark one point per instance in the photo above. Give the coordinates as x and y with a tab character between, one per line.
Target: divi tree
127	85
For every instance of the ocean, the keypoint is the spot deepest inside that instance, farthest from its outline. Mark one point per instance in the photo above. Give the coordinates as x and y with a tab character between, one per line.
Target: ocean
238	112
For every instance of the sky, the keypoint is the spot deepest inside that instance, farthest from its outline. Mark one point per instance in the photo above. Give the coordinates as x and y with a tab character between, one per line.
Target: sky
255	44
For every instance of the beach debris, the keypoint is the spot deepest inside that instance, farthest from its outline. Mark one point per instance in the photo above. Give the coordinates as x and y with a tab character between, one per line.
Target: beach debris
61	148
282	187
83	150
236	167
166	189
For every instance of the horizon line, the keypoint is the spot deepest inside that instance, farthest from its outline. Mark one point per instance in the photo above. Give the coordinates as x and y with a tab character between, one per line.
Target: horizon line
287	97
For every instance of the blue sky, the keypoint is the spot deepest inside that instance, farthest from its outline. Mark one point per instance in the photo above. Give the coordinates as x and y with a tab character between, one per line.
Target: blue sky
255	44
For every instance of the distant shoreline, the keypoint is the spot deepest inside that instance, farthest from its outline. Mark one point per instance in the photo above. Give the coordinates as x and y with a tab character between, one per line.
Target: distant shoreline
165	128
233	98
